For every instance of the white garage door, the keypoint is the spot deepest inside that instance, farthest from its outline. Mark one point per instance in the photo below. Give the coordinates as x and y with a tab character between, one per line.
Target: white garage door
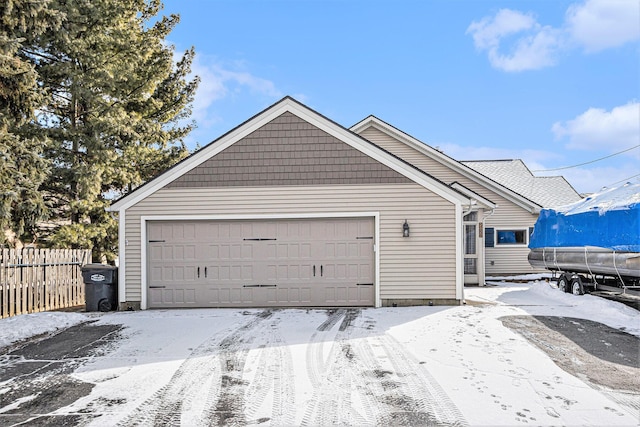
261	263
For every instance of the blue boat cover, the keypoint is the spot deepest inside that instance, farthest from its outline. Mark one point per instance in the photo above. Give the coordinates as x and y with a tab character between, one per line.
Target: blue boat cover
609	219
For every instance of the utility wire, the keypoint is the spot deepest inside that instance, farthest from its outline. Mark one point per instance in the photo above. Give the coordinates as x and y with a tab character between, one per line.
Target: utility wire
623	180
587	163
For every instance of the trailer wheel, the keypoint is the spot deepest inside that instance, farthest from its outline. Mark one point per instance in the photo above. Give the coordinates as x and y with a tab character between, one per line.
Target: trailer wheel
563	283
576	286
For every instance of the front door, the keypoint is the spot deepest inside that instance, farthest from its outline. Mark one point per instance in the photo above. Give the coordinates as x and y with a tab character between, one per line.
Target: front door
471	249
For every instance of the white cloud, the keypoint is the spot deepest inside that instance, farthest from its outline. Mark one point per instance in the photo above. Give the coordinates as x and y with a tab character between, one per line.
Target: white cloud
218	81
602	24
534	48
530	53
488	32
593	24
593	179
598	129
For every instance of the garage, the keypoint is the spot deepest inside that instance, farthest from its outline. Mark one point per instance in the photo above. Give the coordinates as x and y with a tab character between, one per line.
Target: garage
261	263
290	209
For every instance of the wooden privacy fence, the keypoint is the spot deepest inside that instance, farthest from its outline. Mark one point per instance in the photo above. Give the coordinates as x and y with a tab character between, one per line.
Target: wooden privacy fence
33	280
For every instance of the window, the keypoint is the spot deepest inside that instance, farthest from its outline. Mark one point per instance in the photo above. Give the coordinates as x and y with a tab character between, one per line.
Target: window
472	216
511	237
489	236
470	266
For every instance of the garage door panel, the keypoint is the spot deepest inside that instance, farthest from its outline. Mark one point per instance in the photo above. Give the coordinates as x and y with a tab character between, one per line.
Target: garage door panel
173	297
364	248
285	263
247	273
365	274
183	232
155	253
236	295
366	292
235	230
225	296
247	252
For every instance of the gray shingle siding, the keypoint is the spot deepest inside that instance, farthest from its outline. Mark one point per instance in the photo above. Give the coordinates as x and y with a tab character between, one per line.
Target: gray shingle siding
288	151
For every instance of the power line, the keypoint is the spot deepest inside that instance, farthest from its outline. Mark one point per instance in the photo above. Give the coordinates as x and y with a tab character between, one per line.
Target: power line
622	180
588	163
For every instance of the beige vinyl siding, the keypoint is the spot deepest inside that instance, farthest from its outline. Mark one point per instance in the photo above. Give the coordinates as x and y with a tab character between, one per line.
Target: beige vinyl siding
434	168
422	266
506	260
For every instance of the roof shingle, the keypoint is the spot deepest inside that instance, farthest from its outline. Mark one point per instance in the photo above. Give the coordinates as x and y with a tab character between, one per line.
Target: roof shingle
547	191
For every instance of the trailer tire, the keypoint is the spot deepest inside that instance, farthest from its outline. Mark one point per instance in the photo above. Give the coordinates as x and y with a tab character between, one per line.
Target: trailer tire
576	286
563	282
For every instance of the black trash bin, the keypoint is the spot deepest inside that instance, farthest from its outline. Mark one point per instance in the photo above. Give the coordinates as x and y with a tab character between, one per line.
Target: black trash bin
101	287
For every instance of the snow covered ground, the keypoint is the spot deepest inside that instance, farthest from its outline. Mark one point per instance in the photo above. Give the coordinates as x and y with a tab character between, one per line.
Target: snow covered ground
402	366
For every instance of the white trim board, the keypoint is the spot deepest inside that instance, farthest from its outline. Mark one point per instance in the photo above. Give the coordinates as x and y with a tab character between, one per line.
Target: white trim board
122	248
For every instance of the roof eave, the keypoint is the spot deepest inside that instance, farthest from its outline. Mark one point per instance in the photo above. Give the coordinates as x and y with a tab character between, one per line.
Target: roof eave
467	171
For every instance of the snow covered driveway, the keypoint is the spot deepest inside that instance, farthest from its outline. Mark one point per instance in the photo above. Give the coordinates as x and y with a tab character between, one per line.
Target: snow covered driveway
389	366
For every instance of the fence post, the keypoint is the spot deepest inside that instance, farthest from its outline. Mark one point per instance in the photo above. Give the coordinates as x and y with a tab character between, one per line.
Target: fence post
4	284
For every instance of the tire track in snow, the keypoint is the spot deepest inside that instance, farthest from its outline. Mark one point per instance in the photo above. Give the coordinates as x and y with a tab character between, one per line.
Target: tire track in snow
401	387
173	402
315	351
338	385
273	373
371	371
418	399
229	407
322	407
284	409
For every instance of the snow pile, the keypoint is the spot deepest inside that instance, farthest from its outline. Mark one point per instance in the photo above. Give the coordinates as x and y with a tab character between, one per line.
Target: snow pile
609	219
14	329
613	314
609	199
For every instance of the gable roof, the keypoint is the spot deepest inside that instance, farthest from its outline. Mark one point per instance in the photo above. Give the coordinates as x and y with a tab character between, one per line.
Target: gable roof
547	191
292	106
499	188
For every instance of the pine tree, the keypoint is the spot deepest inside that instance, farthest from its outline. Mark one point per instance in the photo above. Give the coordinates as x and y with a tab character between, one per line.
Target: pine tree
113	107
22	168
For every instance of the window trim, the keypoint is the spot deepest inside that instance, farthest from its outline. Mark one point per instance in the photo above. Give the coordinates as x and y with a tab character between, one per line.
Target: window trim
523	230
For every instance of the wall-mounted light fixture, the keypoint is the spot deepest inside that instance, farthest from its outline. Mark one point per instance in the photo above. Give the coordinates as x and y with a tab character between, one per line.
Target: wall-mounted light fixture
405	229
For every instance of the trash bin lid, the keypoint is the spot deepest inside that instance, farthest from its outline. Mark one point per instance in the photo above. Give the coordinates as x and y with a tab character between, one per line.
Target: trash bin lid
97	266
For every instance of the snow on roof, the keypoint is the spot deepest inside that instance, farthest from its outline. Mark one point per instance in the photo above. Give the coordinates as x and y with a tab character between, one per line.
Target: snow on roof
608	199
547	191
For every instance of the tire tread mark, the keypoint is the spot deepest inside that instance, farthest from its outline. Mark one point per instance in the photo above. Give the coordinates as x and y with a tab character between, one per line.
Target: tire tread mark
284	409
165	406
316	368
424	389
334	386
258	389
229	407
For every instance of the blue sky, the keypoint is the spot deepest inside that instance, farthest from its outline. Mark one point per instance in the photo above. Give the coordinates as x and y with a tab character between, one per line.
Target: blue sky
555	83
